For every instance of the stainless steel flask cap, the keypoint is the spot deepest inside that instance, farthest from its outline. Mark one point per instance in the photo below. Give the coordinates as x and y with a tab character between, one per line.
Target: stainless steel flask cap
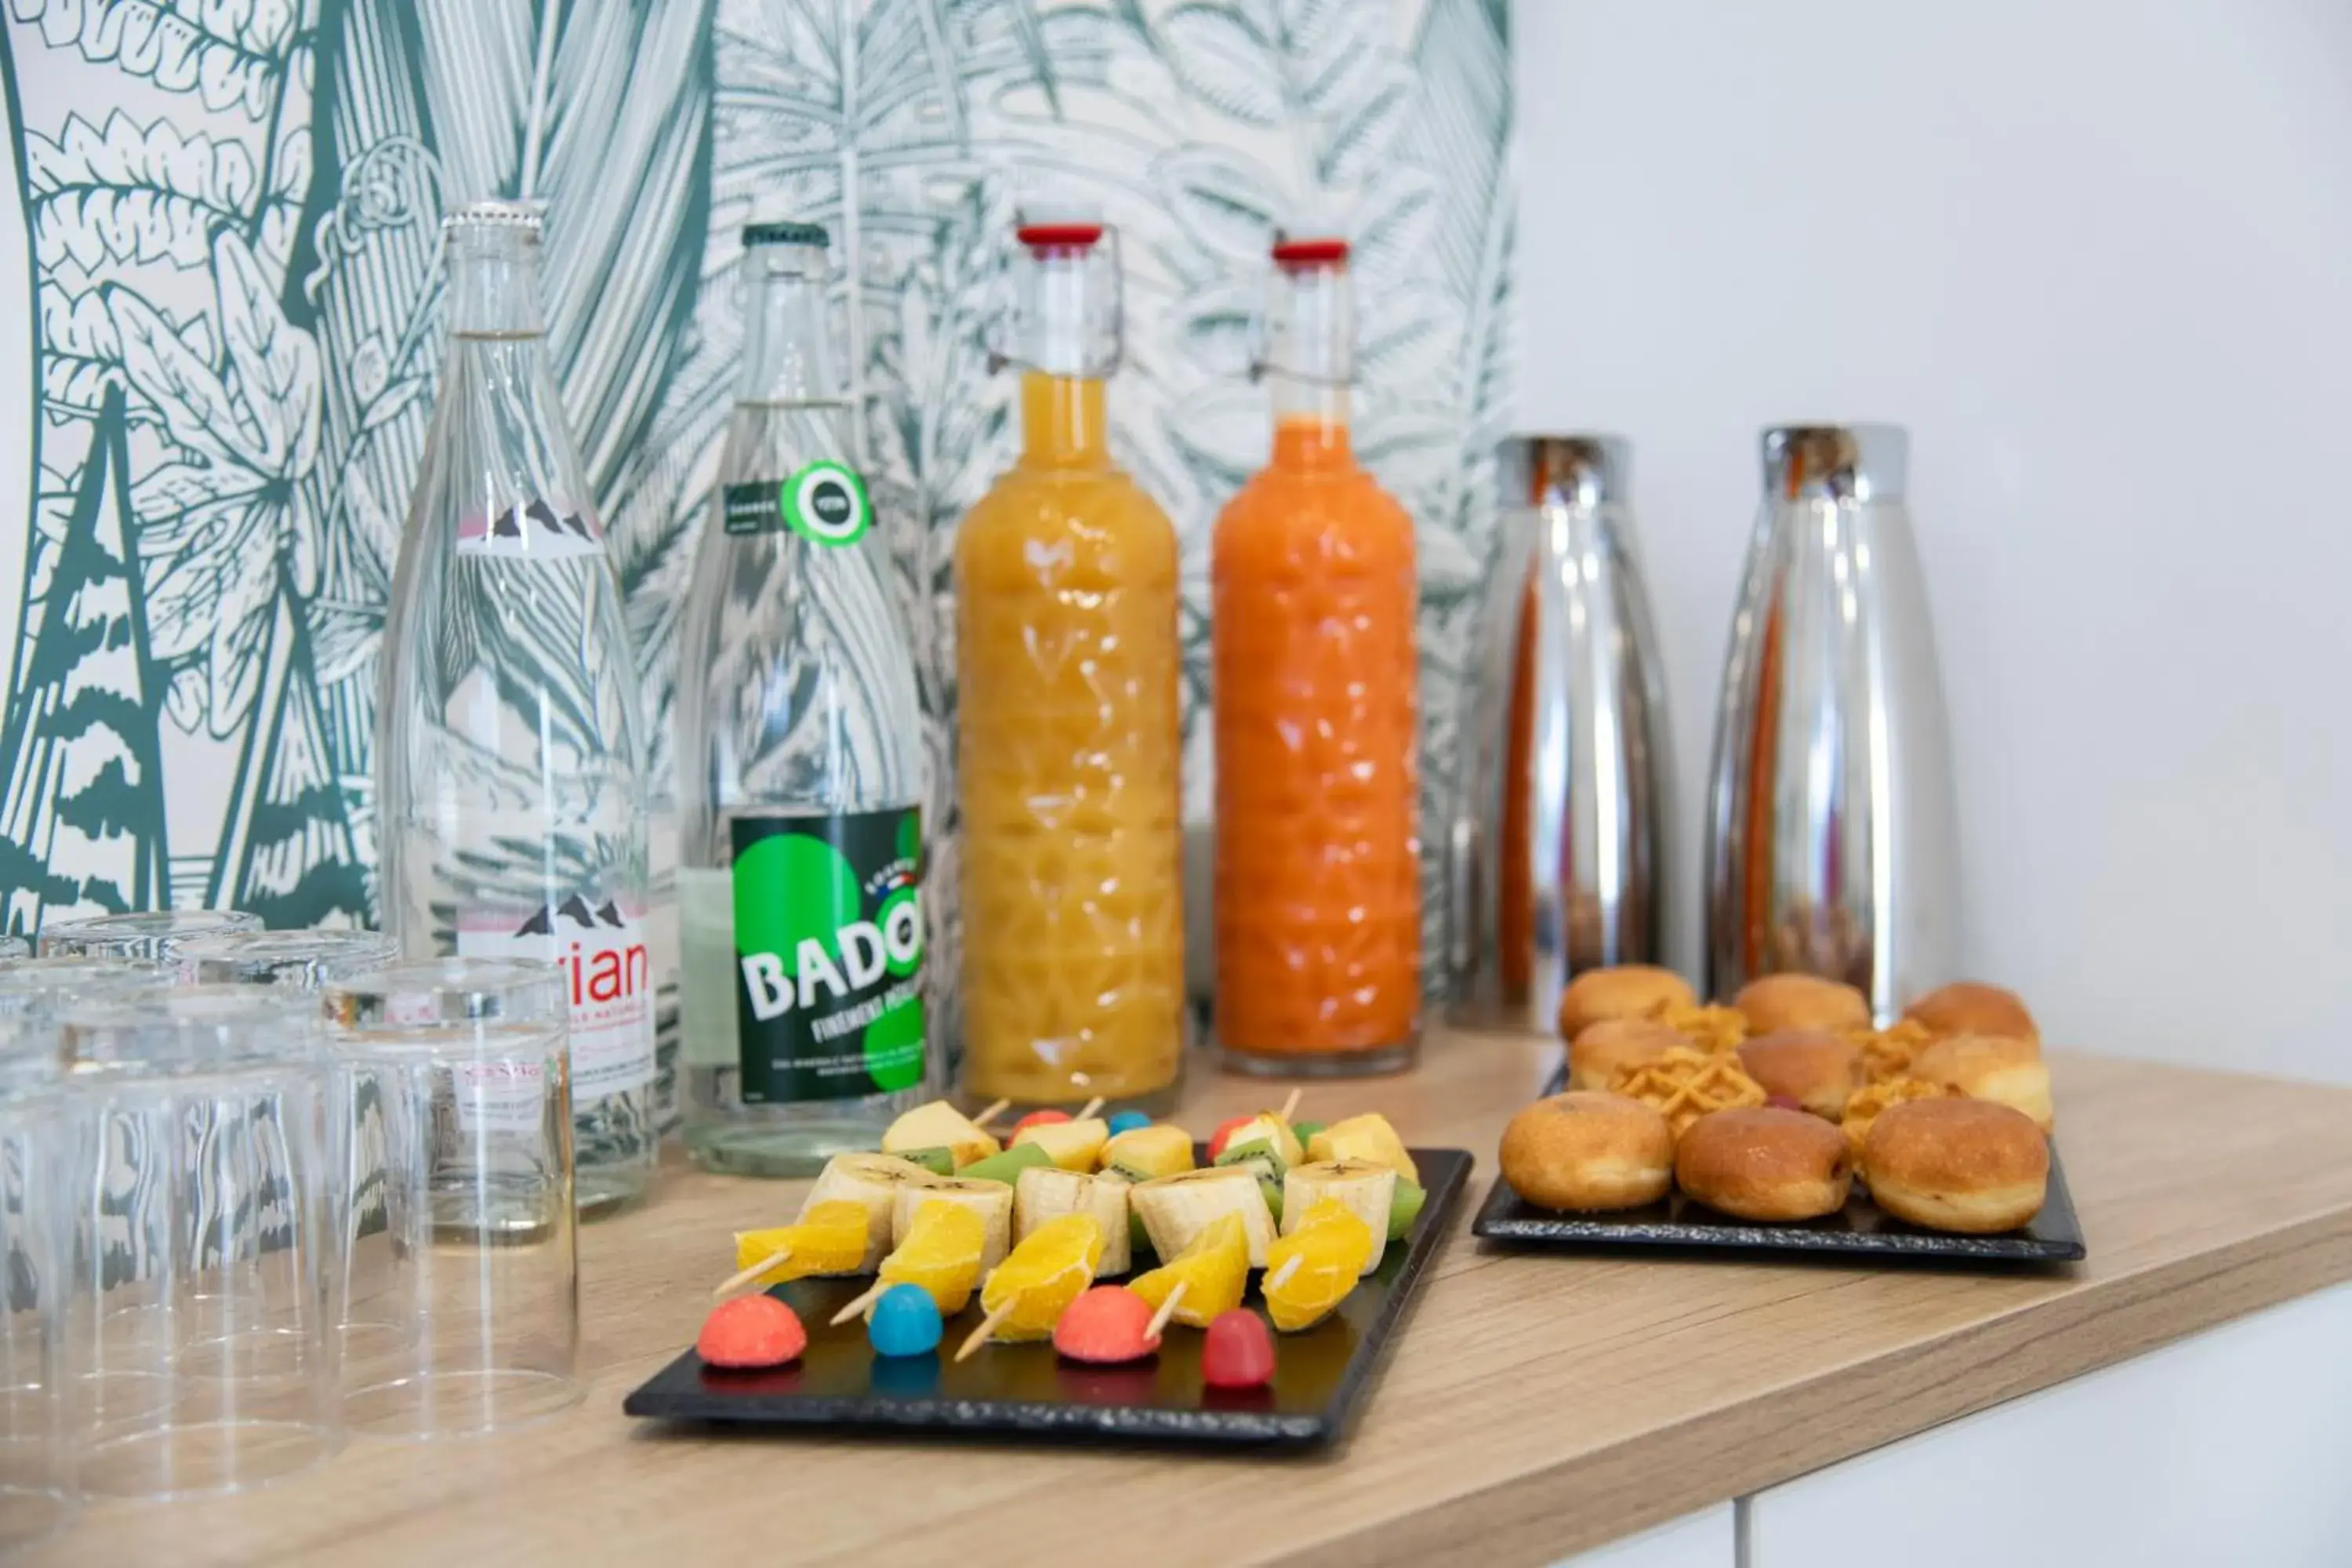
1565	470
1835	462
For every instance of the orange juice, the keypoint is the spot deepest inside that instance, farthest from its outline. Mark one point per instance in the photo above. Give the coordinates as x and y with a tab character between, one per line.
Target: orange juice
1068	745
1318	870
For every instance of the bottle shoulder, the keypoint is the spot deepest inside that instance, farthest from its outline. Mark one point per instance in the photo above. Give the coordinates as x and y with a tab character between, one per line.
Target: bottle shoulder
1338	513
1035	517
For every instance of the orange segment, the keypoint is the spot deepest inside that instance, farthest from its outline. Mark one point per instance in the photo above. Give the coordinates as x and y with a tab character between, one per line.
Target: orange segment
1214	1270
940	1255
1042	1275
829	1239
1330	1247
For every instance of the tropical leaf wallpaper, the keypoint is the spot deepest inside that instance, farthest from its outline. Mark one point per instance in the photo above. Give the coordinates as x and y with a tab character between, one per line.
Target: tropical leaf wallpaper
222	230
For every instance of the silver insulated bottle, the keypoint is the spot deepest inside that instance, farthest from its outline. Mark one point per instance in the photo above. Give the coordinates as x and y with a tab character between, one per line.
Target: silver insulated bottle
1559	851
1830	833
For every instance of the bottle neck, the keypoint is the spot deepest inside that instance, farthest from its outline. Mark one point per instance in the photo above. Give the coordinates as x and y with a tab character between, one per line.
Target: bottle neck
494	284
786	357
1311	359
1063	421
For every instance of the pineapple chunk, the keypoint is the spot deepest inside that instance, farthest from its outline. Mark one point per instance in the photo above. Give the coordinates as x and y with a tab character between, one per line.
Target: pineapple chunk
1367	1137
1072	1145
939	1125
1142	1152
1274	1131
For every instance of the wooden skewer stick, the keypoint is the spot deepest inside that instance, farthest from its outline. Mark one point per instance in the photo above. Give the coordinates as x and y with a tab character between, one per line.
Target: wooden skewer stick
1290	1106
990	1113
745	1277
987	1329
1167	1310
1088	1109
1281	1276
866	1298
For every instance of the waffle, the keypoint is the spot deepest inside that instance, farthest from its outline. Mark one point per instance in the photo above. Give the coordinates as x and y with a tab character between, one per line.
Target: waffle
1717	1030
1685	1085
1886	1053
1863	1109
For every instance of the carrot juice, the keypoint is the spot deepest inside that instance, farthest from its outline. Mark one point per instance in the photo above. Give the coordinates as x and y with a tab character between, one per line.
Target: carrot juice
1068	729
1318	866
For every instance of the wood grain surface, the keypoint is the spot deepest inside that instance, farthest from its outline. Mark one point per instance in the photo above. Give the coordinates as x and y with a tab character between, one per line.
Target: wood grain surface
1535	1406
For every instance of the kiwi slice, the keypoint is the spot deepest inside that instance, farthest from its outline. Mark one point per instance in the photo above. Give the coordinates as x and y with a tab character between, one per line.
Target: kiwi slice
939	1161
1007	1167
1405	1208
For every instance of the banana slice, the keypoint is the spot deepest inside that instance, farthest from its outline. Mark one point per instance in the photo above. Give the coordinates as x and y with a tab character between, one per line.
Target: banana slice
991	1201
874	1183
1177	1208
1046	1193
1362	1187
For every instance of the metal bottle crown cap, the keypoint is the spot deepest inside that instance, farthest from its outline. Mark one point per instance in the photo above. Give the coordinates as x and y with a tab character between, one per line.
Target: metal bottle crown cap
1580	469
1839	462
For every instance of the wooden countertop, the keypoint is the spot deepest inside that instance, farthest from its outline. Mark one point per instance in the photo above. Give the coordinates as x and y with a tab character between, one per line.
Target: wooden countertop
1535	1406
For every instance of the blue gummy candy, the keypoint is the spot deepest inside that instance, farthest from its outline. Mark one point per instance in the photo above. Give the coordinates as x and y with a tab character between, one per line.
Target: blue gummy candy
906	1321
1127	1121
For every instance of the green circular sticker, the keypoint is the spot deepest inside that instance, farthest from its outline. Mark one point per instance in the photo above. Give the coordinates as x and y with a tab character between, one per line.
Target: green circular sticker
791	888
894	1047
827	502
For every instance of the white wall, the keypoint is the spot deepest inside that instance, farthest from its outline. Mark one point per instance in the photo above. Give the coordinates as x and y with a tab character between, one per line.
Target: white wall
2098	256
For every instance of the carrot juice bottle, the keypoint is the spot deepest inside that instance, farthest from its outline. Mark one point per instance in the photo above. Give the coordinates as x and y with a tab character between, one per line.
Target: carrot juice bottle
1068	739
1318	867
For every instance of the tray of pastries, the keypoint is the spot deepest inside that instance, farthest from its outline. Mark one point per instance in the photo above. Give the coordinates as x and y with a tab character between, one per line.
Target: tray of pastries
1787	1120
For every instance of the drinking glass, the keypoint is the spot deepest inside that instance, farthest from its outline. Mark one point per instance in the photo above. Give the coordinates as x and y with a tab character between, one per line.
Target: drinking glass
460	1294
14	947
302	960
36	1497
153	935
195	1206
40	987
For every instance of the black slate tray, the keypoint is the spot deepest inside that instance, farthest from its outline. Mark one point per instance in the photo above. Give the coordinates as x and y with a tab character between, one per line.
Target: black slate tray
1861	1229
1028	1391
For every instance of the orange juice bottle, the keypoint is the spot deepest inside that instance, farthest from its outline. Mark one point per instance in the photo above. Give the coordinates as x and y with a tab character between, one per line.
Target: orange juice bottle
1318	867
1067	728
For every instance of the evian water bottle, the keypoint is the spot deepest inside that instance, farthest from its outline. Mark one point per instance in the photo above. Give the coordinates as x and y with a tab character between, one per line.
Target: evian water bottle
800	853
509	749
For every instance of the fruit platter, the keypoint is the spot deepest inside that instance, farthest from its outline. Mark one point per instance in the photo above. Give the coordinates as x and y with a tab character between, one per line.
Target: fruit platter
1080	1275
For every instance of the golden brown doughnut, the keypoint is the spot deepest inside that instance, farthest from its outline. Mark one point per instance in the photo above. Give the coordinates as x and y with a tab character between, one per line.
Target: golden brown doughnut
1816	1069
1983	1067
1968	1165
1801	1002
1973	1007
1588	1151
1607	1047
1626	991
1869	1102
1765	1164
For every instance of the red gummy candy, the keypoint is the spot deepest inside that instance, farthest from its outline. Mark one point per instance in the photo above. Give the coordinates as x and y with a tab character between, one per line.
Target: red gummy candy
1039	1117
1238	1351
1106	1325
749	1331
1225	1130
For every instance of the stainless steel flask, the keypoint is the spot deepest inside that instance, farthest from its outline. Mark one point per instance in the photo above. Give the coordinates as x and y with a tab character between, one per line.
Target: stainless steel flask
1829	833
1559	850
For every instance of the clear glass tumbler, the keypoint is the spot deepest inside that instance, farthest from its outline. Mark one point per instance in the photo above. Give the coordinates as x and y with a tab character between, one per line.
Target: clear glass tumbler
41	987
37	1494
302	960
198	1235
460	1300
151	935
14	947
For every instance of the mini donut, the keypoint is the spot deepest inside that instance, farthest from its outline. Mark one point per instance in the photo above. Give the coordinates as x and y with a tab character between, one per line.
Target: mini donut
1973	1007
1816	1069
1984	1067
1968	1166
1604	1049
1626	991
1588	1151
1801	1002
1765	1164
1869	1102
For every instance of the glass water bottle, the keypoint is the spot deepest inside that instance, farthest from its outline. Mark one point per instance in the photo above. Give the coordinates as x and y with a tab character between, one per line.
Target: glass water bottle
800	763
1067	767
508	750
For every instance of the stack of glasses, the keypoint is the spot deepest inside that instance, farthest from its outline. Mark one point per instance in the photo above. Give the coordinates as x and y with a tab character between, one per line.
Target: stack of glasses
262	1189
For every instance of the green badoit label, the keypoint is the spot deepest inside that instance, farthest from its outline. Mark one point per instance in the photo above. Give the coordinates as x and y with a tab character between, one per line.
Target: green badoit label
829	954
824	504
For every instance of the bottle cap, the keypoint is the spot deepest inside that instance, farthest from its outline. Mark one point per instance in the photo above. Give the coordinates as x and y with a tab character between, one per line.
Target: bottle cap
497	213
